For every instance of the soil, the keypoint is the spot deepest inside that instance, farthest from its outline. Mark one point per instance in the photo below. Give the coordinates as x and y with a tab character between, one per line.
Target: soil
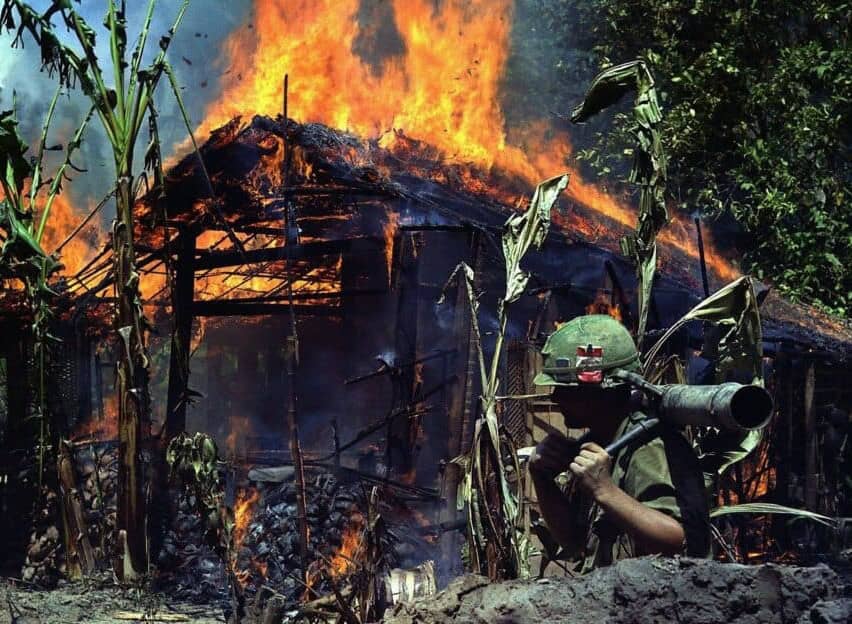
94	604
647	590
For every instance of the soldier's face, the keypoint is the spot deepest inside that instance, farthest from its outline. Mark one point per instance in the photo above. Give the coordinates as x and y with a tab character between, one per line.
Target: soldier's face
590	406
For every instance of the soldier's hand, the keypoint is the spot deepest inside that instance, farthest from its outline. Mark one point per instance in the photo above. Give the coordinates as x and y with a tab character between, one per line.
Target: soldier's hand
592	468
553	455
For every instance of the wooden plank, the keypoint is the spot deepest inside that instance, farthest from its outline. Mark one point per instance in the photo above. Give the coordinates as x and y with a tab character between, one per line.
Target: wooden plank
206	260
235	308
181	337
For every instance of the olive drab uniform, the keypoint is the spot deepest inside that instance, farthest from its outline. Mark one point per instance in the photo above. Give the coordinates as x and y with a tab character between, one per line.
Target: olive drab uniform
662	474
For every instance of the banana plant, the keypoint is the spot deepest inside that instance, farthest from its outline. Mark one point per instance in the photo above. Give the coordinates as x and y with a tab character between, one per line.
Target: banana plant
497	521
122	96
25	208
649	165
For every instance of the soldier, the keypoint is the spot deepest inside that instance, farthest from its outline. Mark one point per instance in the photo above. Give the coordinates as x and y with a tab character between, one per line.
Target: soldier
648	499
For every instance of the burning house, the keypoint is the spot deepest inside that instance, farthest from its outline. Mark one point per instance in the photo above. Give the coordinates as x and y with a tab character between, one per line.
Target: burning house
298	226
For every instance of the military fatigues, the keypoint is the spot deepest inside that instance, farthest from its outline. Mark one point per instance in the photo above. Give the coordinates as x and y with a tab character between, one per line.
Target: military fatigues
662	474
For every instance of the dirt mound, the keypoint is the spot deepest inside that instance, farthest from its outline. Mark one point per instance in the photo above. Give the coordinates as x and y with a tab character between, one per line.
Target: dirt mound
648	589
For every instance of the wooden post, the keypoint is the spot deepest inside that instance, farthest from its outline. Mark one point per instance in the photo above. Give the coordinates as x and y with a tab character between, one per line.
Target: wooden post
401	438
789	423
781	455
811	475
184	293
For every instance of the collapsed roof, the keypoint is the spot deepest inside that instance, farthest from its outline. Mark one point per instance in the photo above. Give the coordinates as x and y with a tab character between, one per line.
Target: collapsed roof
348	194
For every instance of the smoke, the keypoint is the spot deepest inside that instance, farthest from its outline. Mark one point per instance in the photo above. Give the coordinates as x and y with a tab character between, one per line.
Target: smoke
192	54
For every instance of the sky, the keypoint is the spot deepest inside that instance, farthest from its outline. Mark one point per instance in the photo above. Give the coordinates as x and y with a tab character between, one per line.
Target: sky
530	89
193	54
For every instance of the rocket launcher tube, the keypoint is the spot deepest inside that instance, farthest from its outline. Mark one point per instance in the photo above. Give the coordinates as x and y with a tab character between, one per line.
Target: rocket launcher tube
730	406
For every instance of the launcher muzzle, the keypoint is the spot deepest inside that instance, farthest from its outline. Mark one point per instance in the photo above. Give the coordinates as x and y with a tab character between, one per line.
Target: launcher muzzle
729	406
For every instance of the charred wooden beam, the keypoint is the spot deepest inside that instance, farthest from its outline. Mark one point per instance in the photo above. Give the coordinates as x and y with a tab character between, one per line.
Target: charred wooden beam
290	192
812	475
182	297
436	227
206	260
459	406
310	296
235	308
401	434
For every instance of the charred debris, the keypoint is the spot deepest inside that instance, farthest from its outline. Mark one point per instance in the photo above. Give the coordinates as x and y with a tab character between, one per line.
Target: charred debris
295	323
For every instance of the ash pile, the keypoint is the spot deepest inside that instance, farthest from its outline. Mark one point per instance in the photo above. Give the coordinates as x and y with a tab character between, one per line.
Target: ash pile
266	557
267	546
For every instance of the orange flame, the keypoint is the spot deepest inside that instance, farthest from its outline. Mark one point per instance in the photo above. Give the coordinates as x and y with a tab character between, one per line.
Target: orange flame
390	231
441	87
603	305
105	428
343	561
243	513
238	426
62	220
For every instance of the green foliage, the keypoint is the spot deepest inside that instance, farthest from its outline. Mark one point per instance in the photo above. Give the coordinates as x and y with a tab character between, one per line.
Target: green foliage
28	192
757	122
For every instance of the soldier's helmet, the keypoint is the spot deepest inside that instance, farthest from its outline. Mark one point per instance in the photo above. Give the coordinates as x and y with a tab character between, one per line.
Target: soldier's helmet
584	350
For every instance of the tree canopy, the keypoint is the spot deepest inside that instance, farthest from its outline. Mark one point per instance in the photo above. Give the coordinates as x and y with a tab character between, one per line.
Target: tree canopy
756	99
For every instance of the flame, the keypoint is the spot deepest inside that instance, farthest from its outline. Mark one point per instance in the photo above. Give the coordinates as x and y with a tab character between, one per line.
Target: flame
440	86
444	87
603	304
243	513
343	561
238	426
64	217
390	230
101	429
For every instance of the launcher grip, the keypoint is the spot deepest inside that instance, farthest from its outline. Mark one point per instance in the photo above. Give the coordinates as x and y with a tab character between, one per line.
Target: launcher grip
645	430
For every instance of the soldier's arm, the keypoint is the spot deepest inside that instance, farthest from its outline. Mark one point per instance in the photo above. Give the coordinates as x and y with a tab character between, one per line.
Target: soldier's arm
652	531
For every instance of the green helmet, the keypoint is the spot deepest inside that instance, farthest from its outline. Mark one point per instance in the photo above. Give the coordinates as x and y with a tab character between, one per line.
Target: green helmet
584	349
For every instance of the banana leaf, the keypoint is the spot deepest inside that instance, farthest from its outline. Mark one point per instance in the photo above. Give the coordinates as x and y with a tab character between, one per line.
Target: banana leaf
739	344
649	165
525	229
772	508
14	165
504	523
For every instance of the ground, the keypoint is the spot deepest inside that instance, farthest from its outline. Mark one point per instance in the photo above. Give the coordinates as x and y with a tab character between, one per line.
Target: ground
95	604
646	590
